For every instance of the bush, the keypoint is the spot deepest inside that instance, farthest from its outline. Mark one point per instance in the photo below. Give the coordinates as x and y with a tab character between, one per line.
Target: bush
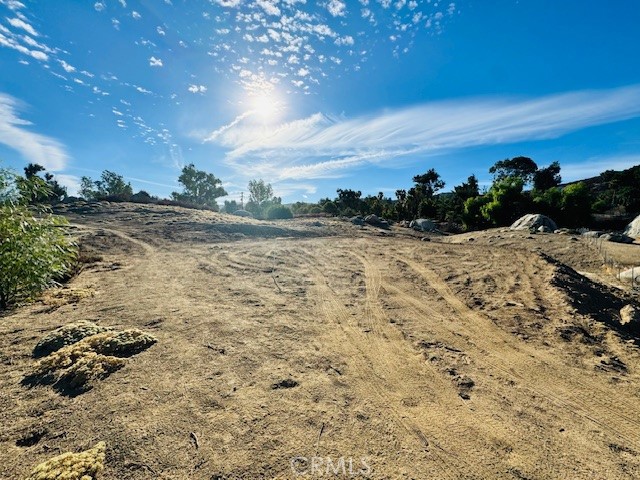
73	368
35	248
279	212
72	466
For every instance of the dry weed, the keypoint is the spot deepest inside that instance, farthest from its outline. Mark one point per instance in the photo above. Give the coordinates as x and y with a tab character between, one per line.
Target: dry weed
66	335
72	466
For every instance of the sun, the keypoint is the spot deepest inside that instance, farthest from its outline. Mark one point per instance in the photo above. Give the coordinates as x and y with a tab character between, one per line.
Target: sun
266	106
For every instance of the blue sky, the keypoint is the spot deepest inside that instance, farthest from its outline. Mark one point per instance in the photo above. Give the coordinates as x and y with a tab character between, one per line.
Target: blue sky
314	95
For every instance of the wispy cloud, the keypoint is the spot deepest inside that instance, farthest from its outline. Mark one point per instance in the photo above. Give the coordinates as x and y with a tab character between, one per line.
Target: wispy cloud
34	147
321	146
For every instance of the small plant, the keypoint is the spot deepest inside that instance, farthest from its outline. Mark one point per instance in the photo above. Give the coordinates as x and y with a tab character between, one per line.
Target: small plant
66	335
73	368
85	465
35	248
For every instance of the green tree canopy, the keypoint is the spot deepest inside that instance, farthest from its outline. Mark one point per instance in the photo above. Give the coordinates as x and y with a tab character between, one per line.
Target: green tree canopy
110	184
547	177
520	167
199	187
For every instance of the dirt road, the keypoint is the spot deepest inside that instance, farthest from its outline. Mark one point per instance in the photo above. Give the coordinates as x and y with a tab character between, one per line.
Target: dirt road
286	353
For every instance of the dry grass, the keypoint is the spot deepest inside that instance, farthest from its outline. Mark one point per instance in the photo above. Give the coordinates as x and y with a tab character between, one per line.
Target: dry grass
72	466
66	335
74	368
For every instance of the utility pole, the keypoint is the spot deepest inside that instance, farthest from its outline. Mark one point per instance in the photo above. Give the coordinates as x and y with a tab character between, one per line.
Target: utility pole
241	200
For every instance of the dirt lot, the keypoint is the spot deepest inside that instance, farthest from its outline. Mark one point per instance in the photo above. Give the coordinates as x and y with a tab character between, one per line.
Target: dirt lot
285	348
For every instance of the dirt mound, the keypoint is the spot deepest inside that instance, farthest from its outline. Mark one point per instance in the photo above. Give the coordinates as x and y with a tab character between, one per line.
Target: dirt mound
589	298
633	229
72	369
66	335
533	221
72	466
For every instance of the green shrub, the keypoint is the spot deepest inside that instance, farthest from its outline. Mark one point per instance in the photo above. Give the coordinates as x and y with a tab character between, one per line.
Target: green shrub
35	248
279	212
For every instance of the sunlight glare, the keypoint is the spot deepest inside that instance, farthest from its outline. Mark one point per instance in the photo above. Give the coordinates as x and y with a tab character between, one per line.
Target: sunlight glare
266	106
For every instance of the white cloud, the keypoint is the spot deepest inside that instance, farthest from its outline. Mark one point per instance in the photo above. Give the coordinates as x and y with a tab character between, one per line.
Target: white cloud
18	23
123	3
155	62
10	42
197	88
337	8
34	147
136	15
99	6
67	68
335	144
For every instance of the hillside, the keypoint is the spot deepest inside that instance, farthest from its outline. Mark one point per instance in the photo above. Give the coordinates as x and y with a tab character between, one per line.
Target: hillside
483	355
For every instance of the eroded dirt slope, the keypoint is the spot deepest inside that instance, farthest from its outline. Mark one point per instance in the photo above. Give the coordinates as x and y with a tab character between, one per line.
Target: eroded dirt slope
319	339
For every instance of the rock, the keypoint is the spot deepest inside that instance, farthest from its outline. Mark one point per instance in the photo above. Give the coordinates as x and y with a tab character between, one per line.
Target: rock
631	273
544	229
616	237
592	234
534	221
633	229
357	220
630	316
405	223
425	239
243	213
376	221
423	225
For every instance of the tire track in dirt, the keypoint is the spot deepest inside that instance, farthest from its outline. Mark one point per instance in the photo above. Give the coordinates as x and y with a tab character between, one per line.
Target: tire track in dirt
399	372
530	366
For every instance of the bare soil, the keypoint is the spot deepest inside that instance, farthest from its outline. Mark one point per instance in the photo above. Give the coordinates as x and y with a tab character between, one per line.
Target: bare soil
488	355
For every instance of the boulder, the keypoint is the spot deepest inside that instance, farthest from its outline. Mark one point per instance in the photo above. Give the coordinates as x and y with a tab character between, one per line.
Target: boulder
376	221
357	220
533	221
544	229
631	273
633	229
630	316
423	225
616	237
591	234
243	213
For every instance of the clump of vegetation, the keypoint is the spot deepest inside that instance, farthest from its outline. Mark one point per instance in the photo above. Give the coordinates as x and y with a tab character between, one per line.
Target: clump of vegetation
36	249
73	368
66	335
279	212
111	186
199	187
85	465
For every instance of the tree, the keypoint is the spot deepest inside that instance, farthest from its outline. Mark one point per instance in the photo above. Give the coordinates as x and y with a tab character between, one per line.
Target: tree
231	206
428	183
506	201
467	189
199	187
261	198
111	185
547	177
576	205
55	193
348	201
35	248
520	167
260	192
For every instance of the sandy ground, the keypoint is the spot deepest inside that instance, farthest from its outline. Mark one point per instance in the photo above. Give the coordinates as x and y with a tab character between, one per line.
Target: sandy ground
298	349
